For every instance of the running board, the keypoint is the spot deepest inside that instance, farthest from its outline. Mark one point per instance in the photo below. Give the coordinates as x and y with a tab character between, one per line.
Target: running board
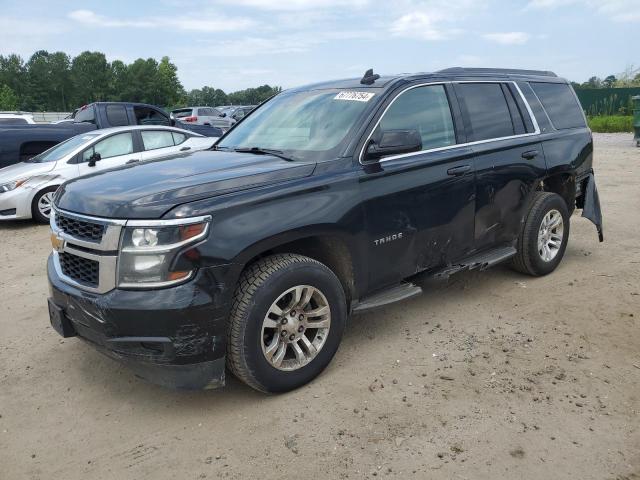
385	297
480	261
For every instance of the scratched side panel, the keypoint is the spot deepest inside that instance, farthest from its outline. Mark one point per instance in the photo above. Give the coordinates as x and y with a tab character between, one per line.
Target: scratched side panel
434	212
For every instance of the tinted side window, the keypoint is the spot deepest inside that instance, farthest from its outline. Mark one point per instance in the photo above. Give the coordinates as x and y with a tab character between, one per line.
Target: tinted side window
486	109
178	138
207	112
85	115
528	124
560	103
150	116
425	109
113	146
117	115
154	139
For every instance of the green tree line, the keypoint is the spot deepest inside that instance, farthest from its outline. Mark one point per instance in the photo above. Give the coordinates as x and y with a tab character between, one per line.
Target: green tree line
627	79
57	82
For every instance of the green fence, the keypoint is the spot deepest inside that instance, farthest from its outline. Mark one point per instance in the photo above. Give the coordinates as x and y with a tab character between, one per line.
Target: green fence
607	101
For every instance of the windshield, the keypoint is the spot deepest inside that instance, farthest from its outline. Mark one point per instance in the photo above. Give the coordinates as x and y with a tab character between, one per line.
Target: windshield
62	149
310	125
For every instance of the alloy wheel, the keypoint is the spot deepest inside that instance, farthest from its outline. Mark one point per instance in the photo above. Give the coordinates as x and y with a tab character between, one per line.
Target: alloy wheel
295	328
550	235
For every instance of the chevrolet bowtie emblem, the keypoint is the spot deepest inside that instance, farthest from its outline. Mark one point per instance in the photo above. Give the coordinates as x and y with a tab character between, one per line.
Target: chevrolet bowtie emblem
57	242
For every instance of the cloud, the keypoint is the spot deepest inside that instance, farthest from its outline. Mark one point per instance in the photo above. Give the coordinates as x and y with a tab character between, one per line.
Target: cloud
431	20
297	4
420	25
616	10
207	23
24	36
254	46
508	38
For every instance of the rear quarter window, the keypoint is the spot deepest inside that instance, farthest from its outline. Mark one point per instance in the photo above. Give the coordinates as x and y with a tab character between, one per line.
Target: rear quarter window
560	103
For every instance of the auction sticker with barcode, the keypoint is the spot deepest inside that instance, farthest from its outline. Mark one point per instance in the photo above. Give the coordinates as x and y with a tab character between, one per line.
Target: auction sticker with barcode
354	96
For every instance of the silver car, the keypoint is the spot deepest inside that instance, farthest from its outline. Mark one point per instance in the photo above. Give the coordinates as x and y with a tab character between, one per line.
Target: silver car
203	116
27	188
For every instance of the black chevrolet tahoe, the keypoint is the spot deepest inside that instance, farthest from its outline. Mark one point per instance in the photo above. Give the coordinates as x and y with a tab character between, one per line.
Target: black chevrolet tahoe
326	200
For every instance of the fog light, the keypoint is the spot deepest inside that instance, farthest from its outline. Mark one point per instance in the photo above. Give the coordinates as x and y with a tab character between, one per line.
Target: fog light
142	263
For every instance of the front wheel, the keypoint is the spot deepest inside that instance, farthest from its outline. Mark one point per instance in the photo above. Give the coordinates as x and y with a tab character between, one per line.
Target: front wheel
42	204
286	322
544	235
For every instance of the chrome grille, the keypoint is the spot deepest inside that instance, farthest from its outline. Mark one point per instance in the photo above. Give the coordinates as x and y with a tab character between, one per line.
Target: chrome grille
79	269
86	250
84	230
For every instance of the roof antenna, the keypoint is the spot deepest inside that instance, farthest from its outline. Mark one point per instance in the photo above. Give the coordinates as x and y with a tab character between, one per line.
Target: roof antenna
369	77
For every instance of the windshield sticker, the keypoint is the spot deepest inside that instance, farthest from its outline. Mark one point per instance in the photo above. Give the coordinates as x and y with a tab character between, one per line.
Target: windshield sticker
354	96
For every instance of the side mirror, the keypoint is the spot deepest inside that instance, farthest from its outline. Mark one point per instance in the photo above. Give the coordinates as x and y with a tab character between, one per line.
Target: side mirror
394	142
93	159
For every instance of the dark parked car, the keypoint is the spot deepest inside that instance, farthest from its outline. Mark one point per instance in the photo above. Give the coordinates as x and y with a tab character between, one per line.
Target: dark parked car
240	112
22	142
327	200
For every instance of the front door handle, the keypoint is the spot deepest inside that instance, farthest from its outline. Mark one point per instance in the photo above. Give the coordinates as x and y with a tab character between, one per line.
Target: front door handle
530	154
184	149
457	171
133	160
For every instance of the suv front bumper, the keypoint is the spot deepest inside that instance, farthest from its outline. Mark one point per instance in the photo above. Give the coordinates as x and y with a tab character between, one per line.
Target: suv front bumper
173	337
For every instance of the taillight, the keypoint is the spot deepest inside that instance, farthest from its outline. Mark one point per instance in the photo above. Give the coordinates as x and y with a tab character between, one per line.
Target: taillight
190	119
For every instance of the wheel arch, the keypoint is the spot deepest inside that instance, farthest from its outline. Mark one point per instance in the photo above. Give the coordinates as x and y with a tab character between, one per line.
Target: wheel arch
334	249
38	189
563	184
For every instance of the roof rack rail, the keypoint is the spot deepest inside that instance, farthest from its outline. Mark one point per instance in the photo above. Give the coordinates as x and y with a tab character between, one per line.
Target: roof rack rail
503	71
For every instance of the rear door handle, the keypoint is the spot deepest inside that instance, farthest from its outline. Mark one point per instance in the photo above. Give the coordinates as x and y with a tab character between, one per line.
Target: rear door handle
457	171
530	154
184	149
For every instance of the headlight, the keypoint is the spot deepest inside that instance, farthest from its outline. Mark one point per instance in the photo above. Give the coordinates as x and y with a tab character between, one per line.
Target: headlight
7	187
149	250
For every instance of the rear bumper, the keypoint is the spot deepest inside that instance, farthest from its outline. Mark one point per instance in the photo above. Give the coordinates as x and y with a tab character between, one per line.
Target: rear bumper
173	337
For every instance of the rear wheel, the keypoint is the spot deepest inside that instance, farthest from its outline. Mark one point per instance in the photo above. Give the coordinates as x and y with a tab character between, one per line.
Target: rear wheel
42	204
544	235
286	323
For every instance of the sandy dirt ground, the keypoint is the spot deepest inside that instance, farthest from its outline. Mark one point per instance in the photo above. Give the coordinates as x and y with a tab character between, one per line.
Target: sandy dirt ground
492	376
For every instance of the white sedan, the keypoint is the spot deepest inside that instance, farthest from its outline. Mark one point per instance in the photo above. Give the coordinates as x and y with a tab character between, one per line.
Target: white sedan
27	188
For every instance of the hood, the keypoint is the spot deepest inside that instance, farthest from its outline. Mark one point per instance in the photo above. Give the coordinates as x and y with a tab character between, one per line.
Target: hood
148	190
24	170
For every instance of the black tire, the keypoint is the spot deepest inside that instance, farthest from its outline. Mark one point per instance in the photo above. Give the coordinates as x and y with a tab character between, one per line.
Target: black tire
528	259
35	211
259	286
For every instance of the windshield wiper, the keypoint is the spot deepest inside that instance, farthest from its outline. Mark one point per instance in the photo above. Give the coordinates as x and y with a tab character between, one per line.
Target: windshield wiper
264	151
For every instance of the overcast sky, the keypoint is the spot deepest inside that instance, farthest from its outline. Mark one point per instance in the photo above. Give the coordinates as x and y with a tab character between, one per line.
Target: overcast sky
234	44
